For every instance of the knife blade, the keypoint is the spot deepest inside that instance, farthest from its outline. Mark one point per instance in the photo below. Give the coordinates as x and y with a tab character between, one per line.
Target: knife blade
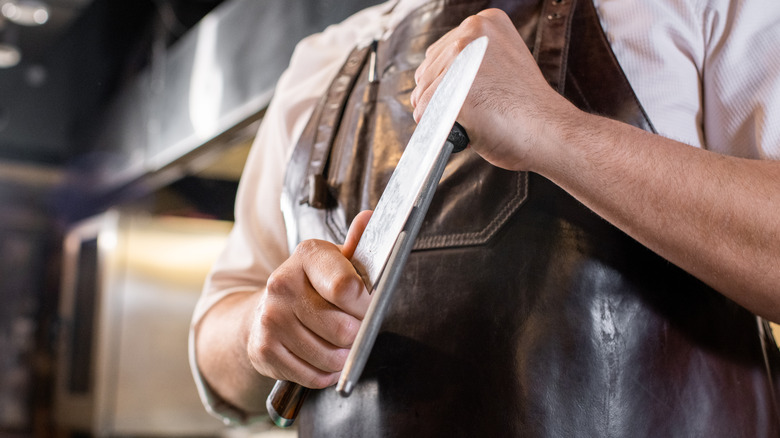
390	233
416	164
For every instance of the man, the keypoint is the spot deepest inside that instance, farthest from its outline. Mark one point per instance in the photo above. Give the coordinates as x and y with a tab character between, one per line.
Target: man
522	311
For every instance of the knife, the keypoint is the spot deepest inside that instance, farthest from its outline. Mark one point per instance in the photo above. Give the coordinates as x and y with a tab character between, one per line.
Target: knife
388	238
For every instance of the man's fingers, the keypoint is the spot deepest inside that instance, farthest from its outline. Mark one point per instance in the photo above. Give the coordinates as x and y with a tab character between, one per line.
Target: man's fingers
442	53
283	350
288	366
332	276
313	330
425	98
355	232
330	323
432	52
313	349
433	67
311	311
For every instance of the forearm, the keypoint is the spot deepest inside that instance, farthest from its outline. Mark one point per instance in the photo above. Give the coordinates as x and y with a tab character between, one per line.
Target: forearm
221	352
715	216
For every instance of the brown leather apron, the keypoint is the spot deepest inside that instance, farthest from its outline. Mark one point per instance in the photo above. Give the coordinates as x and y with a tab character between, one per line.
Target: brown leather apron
520	312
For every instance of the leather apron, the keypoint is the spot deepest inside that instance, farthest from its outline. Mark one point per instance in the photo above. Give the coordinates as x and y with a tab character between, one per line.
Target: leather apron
520	311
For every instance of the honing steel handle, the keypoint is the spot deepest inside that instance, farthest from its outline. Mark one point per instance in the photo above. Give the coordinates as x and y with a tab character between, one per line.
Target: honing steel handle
285	401
286	398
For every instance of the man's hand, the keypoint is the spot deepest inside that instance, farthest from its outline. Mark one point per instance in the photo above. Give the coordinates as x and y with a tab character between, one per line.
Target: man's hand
310	313
714	216
510	108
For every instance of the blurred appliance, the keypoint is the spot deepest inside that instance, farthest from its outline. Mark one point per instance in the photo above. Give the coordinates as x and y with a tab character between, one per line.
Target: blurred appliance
129	286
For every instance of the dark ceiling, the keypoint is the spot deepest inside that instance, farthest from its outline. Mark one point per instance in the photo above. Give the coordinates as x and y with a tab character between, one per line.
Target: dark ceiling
72	65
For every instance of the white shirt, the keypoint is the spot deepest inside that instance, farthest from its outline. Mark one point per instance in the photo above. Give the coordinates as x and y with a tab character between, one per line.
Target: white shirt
706	71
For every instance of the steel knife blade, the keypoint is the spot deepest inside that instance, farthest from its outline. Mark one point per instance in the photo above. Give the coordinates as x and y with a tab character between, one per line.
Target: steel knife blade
389	235
416	164
383	248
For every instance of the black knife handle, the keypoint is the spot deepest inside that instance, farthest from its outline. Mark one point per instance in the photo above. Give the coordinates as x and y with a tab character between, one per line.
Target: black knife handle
458	138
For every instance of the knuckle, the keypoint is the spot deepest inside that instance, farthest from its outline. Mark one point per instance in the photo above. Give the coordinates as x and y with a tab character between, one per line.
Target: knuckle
265	351
343	283
261	353
277	283
472	22
266	323
270	322
477	25
457	45
307	248
492	14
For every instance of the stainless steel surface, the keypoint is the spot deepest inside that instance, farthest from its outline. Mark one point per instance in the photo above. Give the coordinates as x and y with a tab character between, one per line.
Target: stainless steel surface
148	275
88	52
218	77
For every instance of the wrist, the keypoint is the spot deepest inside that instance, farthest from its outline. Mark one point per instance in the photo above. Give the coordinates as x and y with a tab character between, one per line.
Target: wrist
559	140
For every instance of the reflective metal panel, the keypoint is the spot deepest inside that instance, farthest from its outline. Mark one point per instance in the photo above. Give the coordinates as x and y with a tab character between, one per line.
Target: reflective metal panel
217	77
129	289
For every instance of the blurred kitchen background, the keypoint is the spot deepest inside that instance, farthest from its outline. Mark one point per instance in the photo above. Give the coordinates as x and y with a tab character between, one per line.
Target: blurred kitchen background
124	126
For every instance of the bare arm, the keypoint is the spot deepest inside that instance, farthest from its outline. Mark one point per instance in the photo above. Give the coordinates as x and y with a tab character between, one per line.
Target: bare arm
224	359
715	216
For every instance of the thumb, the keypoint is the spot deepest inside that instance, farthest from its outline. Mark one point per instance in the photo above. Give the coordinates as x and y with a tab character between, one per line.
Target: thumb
354	233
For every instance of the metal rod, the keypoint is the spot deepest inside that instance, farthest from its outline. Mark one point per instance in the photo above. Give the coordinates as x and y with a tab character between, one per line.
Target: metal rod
286	398
369	329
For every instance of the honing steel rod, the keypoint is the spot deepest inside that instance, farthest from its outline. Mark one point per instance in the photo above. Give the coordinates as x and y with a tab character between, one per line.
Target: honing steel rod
286	398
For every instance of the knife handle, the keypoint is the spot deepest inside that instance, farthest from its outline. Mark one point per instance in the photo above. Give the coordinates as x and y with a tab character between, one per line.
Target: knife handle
458	138
285	401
